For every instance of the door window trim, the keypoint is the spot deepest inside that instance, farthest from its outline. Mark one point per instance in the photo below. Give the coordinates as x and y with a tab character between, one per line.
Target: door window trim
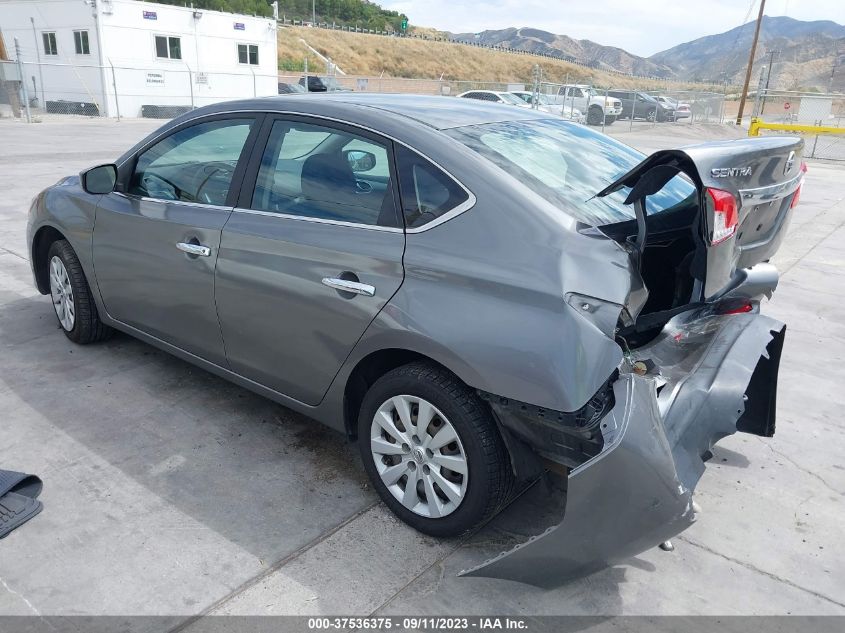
261	118
126	168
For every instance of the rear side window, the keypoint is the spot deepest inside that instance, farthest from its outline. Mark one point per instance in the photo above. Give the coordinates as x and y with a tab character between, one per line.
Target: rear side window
427	192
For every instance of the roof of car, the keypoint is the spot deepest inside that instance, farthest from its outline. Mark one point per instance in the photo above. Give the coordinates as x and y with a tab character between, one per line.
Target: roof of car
439	112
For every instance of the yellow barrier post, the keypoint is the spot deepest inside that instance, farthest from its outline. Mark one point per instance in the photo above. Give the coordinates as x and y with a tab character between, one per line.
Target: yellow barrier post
757	125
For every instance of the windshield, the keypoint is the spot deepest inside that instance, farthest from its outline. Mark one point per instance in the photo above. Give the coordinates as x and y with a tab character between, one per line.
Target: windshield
567	164
512	99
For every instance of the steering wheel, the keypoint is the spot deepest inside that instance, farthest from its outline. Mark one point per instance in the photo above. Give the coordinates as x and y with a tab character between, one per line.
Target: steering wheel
211	169
148	177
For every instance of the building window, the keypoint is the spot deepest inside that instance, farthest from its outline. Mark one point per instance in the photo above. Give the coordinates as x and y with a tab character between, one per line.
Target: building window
248	54
168	47
50	47
80	40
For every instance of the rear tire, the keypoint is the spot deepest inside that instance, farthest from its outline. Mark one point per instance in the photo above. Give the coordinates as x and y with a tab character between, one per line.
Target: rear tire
72	301
398	454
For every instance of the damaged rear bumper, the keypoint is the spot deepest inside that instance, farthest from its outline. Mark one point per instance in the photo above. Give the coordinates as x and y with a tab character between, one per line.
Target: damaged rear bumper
712	375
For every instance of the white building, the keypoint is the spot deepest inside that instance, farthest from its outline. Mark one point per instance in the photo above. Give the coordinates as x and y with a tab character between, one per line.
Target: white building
128	58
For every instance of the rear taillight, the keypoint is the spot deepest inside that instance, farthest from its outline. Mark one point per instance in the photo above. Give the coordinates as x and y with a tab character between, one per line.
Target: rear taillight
797	195
725	216
735	308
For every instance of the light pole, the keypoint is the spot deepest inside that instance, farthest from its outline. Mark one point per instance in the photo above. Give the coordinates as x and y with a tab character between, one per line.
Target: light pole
836	58
768	77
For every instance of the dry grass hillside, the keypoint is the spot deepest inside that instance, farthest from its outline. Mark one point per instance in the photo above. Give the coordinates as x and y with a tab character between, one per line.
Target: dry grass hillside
372	55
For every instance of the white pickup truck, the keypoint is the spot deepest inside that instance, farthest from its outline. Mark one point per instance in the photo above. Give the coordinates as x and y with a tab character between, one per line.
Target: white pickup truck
591	102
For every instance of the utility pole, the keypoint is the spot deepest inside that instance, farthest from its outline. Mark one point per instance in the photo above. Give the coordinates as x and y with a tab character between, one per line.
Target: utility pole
313	12
750	63
768	77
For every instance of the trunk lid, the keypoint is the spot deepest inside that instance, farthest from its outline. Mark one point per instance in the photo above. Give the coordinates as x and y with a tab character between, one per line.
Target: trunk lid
745	191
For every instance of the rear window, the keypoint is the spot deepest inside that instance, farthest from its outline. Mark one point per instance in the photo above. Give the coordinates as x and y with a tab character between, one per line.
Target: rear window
567	164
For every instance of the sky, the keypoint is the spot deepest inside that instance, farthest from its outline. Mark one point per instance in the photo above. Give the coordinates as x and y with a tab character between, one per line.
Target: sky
641	27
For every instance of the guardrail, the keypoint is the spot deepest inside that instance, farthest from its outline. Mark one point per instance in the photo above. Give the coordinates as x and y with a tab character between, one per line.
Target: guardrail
592	65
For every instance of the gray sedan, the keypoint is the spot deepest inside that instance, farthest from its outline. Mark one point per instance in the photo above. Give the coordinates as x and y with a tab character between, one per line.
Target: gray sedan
480	295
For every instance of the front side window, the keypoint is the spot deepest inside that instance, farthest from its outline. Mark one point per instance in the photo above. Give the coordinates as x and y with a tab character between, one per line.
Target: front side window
168	47
80	41
427	192
248	54
194	164
325	173
567	165
50	47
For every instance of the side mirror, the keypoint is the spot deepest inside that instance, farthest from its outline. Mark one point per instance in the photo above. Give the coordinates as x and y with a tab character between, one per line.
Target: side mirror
100	179
359	160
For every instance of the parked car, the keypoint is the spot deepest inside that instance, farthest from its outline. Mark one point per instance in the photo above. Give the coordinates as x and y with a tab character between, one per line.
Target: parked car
494	96
546	104
682	110
639	105
291	89
322	84
588	100
479	299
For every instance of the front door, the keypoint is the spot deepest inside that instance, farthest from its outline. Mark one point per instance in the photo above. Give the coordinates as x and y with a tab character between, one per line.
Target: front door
311	254
156	242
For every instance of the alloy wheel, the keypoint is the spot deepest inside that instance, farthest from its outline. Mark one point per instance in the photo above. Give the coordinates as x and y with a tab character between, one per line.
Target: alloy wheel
62	293
419	456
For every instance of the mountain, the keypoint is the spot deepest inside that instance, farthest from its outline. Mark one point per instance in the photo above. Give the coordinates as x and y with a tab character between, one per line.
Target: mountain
564	47
806	54
807	51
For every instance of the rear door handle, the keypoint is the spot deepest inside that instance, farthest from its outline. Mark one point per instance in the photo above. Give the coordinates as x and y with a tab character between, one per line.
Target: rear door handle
345	285
194	249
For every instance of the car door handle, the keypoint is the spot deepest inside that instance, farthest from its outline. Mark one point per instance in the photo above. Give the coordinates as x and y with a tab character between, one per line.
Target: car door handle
194	249
345	285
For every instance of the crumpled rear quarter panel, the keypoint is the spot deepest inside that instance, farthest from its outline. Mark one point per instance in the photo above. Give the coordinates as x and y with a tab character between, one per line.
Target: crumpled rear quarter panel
638	491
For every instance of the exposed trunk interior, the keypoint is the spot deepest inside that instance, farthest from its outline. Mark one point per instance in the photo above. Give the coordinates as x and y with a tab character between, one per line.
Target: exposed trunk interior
691	253
672	265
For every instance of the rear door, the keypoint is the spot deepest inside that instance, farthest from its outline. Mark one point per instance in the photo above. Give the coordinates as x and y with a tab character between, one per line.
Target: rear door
746	191
310	255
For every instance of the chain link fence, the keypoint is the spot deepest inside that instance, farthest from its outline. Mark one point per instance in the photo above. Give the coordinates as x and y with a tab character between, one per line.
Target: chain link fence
808	110
40	91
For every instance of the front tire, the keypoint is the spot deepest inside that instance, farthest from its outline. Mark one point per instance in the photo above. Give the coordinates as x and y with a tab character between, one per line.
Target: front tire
72	301
432	450
595	115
